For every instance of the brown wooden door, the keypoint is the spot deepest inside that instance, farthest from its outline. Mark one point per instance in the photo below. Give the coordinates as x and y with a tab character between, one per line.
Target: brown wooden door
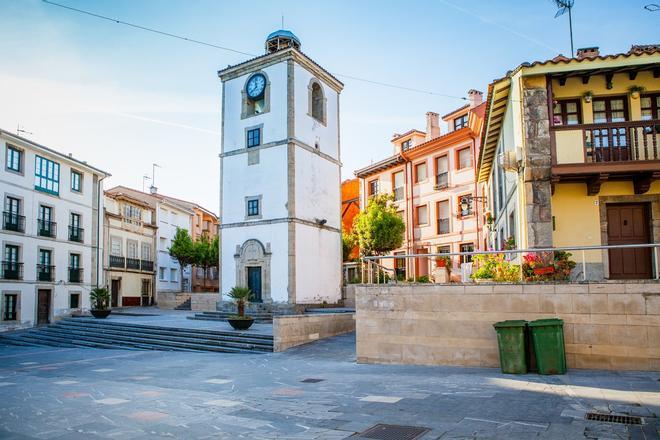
43	306
422	263
628	224
114	292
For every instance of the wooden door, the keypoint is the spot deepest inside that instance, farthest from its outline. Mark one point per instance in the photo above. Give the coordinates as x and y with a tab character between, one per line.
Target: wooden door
114	292
628	224
43	306
422	263
254	282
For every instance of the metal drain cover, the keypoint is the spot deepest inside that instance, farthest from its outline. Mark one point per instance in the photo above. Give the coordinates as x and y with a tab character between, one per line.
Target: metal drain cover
393	432
312	380
614	418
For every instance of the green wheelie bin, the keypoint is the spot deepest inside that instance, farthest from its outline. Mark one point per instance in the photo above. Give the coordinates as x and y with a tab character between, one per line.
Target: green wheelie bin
511	341
548	340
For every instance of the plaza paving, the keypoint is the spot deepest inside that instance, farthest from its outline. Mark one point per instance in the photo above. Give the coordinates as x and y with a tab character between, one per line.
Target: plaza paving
88	393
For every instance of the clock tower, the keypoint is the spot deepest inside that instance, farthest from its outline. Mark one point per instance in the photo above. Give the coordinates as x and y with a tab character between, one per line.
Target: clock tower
280	220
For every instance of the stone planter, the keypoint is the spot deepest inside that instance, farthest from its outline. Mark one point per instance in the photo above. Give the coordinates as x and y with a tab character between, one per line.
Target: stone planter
483	280
100	314
241	323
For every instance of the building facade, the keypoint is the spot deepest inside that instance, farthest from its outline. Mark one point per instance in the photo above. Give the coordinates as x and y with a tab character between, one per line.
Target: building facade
50	233
204	224
350	207
280	201
130	232
571	157
432	178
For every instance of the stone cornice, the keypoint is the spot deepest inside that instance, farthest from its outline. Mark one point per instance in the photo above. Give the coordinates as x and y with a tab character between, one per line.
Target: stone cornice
279	220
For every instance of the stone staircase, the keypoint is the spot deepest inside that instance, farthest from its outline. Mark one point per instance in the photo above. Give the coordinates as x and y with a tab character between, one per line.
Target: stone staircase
186	305
96	333
259	317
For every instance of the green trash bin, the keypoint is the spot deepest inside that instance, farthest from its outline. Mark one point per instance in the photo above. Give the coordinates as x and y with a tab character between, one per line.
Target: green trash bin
511	341
548	339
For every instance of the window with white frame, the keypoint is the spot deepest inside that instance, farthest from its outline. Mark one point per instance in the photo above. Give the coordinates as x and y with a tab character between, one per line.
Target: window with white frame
115	246
162	274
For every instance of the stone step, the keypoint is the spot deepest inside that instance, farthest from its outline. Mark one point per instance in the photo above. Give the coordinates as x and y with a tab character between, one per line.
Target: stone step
168	337
186	305
100	322
41	339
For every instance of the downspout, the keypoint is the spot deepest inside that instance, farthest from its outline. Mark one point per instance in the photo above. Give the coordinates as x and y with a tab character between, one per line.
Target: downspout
410	215
98	229
476	190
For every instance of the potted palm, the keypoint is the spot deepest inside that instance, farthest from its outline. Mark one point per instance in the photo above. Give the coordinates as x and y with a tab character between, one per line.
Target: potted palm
241	296
100	301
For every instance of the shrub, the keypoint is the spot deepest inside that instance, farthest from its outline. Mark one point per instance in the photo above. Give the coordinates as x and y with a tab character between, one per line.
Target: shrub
241	296
99	298
495	267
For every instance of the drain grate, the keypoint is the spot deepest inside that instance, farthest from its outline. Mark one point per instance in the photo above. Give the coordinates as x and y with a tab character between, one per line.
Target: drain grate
312	380
614	418
393	432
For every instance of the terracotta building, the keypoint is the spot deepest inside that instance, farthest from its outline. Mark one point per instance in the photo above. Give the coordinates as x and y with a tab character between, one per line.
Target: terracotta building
432	177
204	223
350	207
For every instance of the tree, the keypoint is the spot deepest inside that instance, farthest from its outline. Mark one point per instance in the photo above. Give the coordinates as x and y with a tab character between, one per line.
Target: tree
379	229
347	245
182	250
206	253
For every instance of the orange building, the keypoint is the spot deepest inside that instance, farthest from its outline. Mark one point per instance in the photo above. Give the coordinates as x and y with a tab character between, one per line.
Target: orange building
350	207
204	223
432	177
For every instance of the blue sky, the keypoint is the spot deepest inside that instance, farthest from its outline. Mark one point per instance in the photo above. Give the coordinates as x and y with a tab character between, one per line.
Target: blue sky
122	99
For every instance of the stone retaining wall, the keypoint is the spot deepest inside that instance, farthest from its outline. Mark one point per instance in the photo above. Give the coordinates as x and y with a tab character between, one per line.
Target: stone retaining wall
608	325
204	302
292	330
170	300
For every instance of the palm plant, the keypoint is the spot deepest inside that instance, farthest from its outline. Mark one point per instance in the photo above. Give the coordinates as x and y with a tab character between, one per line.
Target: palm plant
241	296
100	298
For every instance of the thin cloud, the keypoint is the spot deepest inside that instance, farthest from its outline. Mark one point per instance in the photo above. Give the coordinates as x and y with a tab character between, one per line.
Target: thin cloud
168	123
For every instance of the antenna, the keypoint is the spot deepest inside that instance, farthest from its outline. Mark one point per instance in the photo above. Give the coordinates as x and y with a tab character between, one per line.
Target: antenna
153	188
20	130
566	6
144	178
282	20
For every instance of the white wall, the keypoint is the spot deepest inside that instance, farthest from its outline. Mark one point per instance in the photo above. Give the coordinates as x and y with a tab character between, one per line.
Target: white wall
318	187
318	265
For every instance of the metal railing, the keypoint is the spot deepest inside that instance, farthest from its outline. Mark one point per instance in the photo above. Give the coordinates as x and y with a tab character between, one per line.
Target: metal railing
371	271
12	270
13	222
133	263
75	275
117	261
46	228
147	265
45	272
76	234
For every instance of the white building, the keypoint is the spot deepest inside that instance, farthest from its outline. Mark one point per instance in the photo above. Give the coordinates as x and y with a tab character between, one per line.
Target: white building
50	233
170	214
280	176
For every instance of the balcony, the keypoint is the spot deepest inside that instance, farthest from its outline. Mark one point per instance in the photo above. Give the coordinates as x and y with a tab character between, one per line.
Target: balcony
441	181
45	272
443	226
46	228
12	270
117	261
146	265
595	153
133	263
76	234
13	222
75	275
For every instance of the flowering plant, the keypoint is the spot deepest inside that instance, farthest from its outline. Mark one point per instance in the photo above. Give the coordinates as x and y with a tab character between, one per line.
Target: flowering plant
495	267
547	266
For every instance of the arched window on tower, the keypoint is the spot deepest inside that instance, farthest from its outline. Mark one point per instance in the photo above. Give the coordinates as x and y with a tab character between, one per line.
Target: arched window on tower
317	101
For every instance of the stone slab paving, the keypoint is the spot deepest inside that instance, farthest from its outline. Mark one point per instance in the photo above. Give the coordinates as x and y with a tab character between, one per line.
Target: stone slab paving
50	393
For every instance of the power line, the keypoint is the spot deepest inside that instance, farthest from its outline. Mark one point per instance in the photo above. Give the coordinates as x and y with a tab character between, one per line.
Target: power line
216	46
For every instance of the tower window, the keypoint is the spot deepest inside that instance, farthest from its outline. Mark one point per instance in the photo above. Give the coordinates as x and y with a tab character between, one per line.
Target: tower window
254	137
316	101
252	207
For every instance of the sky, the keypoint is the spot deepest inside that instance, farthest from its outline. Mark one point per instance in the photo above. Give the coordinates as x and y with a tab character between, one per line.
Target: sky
123	99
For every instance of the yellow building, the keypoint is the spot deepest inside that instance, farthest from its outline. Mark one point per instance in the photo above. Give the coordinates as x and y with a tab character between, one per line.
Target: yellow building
570	156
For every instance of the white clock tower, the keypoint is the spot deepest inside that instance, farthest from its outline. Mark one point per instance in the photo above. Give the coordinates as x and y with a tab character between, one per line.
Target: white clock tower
280	198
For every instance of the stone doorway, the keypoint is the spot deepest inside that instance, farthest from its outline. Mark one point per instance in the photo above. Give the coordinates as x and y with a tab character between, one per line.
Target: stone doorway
251	258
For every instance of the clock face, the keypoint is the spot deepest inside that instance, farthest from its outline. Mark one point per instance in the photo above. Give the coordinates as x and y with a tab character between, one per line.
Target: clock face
256	86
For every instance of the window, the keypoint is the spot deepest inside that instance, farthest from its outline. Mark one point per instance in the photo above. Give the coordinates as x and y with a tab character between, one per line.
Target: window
132	214
9	307
512	224
420	172
465	205
252	207
467	247
610	110
464	158
373	188
46	175
75	231
174	275
75	272
132	249
163	243
11	253
254	137
74	300
14	159
115	246
422	215
441	172
406	145
400	266
566	112
650	107
146	251
444	215
397	183
76	181
12	219
317	102
74	261
46	228
460	122
75	220
161	274
11	268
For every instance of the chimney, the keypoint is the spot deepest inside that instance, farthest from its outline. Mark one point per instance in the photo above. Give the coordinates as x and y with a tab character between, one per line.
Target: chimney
475	97
432	125
153	189
587	52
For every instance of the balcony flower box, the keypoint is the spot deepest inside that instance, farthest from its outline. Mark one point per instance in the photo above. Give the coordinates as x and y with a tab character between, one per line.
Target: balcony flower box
544	270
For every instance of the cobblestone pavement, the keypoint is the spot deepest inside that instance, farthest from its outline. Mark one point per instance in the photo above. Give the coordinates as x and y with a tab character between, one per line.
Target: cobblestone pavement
49	393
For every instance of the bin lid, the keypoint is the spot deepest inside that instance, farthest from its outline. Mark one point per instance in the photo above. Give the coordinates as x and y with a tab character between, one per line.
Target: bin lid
510	323
546	322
